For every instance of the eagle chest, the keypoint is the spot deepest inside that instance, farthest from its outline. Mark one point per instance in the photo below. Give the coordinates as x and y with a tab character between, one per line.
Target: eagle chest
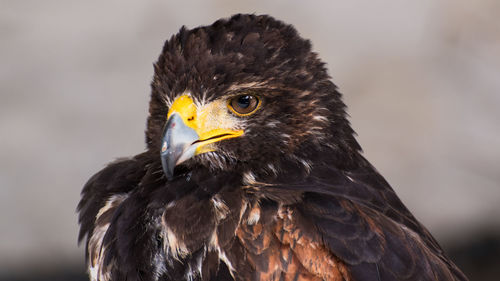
254	239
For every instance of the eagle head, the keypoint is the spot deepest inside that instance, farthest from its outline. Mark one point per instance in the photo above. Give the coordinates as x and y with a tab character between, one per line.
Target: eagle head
244	94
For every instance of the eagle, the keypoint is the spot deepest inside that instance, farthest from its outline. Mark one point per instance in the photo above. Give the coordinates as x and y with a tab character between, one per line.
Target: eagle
251	172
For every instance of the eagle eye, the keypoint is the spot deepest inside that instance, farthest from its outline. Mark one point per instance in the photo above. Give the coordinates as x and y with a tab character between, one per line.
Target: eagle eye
244	105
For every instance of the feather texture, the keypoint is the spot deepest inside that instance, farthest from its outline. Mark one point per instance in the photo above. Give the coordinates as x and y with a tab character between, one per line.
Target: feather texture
291	199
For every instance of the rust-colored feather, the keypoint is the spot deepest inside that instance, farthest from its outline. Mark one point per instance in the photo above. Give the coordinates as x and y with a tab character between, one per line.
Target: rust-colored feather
279	250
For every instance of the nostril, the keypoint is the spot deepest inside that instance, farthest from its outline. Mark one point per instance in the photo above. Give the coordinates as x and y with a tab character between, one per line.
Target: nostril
191	118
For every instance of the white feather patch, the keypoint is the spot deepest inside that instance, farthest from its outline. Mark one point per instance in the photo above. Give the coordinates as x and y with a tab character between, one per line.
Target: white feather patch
221	209
96	249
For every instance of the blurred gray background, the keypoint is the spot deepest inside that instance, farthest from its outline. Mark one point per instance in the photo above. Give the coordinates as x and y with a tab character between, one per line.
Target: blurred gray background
421	80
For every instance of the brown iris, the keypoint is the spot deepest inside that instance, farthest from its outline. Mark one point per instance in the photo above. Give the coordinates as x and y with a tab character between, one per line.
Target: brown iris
244	105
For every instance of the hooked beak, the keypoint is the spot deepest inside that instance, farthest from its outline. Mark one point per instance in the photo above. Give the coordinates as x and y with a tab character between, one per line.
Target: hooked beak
188	132
178	144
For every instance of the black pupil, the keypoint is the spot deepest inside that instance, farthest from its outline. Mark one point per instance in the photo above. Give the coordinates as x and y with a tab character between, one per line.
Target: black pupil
244	101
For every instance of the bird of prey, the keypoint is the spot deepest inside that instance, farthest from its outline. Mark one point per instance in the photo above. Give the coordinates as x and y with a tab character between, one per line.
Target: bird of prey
251	172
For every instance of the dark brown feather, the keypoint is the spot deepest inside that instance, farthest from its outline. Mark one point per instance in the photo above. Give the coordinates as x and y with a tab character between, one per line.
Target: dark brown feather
291	199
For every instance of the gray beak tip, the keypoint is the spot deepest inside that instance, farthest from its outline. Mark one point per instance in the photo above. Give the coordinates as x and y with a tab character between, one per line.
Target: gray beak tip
167	169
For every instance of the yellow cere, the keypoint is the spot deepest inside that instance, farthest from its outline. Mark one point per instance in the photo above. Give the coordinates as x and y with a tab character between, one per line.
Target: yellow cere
185	107
212	122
